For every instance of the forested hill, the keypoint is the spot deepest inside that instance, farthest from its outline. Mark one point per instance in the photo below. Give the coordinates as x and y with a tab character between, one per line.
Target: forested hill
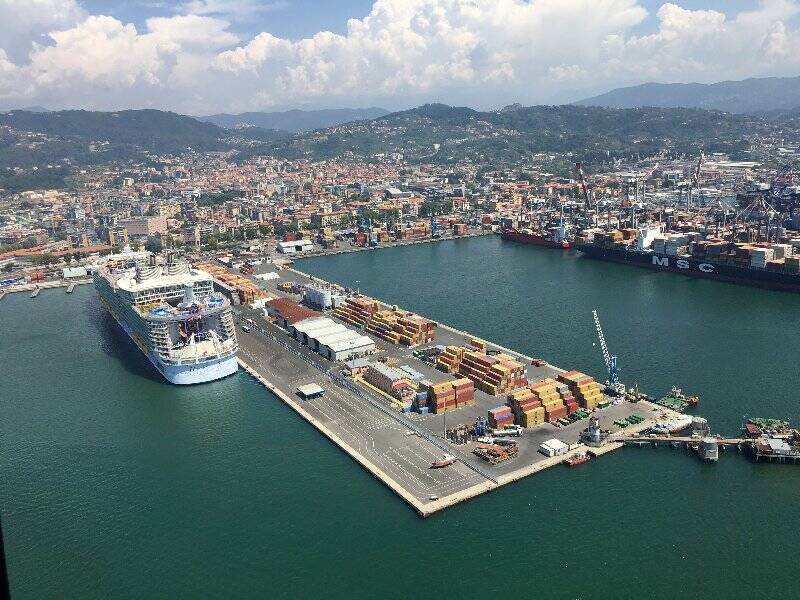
42	149
446	134
155	130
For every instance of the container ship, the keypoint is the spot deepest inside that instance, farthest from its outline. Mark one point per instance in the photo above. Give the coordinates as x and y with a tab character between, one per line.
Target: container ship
765	265
527	236
172	313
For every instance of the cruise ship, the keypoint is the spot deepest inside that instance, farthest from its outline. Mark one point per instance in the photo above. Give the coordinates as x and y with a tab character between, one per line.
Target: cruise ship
172	313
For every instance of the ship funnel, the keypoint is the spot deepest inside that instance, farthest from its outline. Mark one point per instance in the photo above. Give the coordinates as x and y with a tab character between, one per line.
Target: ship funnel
188	295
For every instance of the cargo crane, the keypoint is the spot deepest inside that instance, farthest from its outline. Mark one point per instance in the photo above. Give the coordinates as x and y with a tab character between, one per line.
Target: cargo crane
587	200
759	212
695	181
611	361
434	226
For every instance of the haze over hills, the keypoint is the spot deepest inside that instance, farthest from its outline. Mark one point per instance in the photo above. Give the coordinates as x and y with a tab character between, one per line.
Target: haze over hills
296	121
747	96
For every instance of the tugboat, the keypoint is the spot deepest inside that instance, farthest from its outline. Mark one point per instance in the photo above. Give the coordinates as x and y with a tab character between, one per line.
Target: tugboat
577	459
445	461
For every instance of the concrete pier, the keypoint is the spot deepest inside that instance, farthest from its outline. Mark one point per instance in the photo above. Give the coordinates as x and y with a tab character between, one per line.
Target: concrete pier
399	448
45	285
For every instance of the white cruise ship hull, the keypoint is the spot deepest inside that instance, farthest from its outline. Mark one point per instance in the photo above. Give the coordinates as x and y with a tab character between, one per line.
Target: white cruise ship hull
173	316
188	374
200	373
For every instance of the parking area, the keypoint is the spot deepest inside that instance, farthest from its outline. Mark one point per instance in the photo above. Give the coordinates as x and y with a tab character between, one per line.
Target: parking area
383	439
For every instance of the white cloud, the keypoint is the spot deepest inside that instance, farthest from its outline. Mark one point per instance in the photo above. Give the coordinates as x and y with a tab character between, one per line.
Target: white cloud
230	8
23	22
475	52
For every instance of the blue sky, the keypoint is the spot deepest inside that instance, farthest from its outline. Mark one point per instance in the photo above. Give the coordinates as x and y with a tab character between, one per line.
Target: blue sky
295	19
207	56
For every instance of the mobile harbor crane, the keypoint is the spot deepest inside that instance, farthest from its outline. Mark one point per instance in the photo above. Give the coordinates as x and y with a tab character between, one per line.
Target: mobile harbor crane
610	360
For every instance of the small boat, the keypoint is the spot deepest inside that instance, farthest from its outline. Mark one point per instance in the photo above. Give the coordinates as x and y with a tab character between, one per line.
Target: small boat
445	461
577	459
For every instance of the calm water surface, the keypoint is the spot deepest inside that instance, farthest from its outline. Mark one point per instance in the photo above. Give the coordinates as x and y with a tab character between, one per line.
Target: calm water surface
115	484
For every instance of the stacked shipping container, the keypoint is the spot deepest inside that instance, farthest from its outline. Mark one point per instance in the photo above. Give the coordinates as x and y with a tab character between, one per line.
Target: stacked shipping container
585	389
500	416
494	375
548	395
417	231
449	360
356	311
399	327
527	409
247	291
450	395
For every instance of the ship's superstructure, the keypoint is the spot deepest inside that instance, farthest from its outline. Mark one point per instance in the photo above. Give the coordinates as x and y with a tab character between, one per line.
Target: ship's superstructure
172	313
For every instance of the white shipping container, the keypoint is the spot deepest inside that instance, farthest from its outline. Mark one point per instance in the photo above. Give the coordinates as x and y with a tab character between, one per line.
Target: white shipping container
782	250
553	447
760	256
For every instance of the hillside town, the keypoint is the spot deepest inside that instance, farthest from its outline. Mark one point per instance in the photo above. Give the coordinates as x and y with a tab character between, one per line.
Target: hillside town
208	203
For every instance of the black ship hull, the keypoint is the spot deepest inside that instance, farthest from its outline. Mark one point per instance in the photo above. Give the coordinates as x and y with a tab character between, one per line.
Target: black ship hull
692	267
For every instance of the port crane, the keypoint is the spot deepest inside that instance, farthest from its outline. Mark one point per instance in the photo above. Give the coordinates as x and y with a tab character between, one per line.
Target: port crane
610	360
584	188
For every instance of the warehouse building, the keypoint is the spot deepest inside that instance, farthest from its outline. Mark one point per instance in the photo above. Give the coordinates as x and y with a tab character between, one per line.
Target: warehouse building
286	312
332	340
295	247
389	380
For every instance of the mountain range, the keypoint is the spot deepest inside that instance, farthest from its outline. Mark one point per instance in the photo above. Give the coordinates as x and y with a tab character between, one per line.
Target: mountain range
446	135
295	121
748	96
43	149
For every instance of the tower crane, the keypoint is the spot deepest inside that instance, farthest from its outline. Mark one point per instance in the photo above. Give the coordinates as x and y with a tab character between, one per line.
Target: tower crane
610	360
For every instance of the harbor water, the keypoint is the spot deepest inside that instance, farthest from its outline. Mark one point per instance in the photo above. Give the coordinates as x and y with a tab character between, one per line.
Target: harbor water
116	484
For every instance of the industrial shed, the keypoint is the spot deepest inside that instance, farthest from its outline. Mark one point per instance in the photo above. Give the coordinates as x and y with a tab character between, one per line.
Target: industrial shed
332	340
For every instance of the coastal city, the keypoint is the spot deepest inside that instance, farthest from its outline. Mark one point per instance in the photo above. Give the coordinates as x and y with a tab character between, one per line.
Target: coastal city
350	301
243	226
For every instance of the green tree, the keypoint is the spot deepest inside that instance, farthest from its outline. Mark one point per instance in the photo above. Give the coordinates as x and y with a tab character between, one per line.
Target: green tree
153	244
8	267
43	259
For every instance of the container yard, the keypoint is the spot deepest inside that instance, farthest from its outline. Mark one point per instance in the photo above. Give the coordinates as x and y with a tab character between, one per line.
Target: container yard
425	390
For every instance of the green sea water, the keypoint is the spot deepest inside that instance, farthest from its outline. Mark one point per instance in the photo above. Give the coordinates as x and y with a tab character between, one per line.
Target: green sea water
114	484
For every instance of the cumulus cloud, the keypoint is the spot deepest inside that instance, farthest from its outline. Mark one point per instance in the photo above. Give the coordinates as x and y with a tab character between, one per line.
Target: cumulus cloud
475	52
23	22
